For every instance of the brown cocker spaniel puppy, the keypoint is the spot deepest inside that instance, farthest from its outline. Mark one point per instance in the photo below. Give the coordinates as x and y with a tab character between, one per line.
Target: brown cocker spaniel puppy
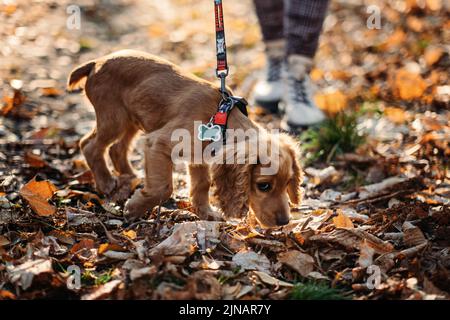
133	91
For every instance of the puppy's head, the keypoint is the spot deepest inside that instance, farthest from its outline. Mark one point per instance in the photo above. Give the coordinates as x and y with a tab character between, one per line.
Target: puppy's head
265	187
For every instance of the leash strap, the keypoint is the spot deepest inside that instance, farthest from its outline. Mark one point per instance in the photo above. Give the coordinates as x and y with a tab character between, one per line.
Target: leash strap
221	47
215	129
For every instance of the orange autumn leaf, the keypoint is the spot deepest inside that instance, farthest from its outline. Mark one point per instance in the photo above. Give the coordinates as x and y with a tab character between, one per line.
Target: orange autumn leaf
432	55
12	102
184	204
83	244
8	9
131	234
340	75
37	194
7	295
109	246
331	102
395	40
51	92
396	115
34	160
434	5
342	221
408	85
415	24
316	74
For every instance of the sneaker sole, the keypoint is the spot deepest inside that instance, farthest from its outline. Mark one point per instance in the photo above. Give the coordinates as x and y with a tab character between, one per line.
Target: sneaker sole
269	106
296	129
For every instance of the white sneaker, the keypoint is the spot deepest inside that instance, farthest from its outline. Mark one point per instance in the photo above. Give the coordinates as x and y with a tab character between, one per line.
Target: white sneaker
300	109
269	91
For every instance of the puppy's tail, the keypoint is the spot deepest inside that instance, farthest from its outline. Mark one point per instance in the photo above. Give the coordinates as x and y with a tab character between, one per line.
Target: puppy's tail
78	76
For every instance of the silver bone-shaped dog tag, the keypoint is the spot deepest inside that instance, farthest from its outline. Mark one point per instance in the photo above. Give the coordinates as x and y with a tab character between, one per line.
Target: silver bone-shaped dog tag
209	132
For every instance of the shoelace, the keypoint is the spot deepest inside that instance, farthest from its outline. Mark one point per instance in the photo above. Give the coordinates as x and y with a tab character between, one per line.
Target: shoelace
299	91
274	67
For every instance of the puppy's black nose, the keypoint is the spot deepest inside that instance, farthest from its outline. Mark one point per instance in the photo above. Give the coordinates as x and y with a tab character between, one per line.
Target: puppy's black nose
282	220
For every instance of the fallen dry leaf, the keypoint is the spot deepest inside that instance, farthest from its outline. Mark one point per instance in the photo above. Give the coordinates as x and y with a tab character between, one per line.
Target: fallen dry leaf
34	160
4	241
103	291
204	285
365	254
396	115
109	246
342	221
412	235
118	255
24	274
130	234
301	262
82	245
250	260
372	190
187	237
6	295
434	5
408	85
51	92
432	55
351	239
331	102
37	194
268	279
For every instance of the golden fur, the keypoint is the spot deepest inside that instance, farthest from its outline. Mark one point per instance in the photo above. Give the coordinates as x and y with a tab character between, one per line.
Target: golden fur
133	91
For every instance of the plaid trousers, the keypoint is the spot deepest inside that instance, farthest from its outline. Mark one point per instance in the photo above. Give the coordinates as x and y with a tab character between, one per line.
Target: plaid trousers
297	21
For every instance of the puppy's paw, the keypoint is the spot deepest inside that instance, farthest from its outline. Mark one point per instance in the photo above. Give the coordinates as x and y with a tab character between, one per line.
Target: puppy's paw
136	207
126	185
107	186
206	212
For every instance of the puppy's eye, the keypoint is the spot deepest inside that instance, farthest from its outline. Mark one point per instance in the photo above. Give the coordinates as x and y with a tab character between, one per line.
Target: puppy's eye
264	187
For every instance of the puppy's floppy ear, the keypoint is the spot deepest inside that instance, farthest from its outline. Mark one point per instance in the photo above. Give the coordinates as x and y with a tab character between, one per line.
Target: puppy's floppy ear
294	187
232	182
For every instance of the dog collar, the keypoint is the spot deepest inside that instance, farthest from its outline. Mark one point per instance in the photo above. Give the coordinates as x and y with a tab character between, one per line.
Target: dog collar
215	129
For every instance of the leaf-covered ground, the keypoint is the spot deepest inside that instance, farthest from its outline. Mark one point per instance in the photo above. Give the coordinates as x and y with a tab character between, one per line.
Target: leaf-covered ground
374	223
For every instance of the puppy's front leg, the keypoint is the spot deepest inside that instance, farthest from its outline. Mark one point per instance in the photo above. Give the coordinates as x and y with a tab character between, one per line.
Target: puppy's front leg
199	191
158	180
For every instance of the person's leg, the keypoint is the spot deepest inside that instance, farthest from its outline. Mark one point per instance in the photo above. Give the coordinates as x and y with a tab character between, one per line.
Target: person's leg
268	91
303	25
270	17
302	28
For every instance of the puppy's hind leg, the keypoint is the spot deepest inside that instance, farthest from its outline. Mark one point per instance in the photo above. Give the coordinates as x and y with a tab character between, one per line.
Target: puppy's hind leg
93	146
118	153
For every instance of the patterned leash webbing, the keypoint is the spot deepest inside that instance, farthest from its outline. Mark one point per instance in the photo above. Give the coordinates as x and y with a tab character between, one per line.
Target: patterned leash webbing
221	47
215	129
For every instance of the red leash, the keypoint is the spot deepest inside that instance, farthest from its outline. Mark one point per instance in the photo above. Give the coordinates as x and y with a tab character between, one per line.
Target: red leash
221	48
215	129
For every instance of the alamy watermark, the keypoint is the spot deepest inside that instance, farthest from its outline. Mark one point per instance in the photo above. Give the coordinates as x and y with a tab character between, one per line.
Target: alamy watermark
374	20
374	280
73	281
73	21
